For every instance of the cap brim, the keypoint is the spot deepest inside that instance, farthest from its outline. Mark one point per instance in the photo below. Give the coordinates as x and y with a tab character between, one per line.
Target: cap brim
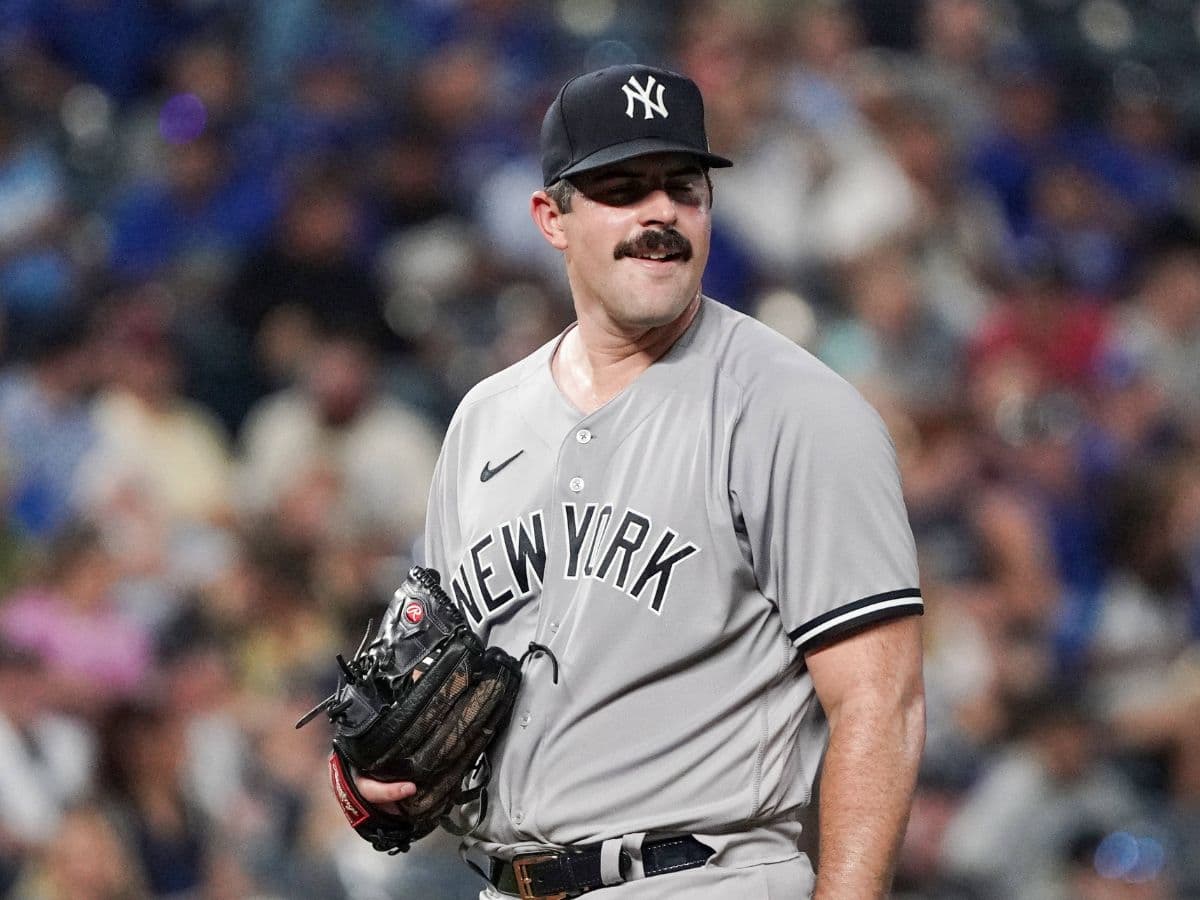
641	147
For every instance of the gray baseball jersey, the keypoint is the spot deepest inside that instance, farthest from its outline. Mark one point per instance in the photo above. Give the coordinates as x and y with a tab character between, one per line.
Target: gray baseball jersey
677	550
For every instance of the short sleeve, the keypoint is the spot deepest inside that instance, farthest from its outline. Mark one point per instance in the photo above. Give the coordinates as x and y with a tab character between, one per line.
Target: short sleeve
815	490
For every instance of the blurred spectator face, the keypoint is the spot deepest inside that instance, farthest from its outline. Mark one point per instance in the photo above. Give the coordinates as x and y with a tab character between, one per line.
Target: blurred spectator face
320	223
922	148
1028	107
341	380
410	169
142	361
955	30
34	79
717	49
142	743
872	81
196	168
88	861
211	71
136	346
308	512
1143	532
333	88
939	462
90	578
23	685
1171	291
1067	197
1144	123
453	87
200	680
82	566
827	33
285	341
1065	745
884	293
152	374
1131	403
155	747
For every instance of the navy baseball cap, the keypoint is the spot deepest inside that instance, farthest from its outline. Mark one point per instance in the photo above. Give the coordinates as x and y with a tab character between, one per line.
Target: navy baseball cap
621	112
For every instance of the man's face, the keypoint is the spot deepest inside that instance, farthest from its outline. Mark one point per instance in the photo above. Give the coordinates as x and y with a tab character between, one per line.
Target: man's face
636	240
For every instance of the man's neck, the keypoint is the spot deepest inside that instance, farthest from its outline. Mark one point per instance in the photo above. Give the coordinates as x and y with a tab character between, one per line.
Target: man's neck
594	363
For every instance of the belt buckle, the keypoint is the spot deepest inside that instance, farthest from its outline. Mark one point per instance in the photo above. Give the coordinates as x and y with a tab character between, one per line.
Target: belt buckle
525	881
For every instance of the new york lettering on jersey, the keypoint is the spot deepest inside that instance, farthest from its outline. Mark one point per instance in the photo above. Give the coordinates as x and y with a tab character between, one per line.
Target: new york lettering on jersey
509	562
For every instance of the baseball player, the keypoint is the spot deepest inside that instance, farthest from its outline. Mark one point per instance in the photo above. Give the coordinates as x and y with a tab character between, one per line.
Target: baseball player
694	533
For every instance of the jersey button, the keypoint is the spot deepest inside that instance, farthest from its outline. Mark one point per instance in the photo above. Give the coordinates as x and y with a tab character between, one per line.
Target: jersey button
518	817
525	719
583	435
576	484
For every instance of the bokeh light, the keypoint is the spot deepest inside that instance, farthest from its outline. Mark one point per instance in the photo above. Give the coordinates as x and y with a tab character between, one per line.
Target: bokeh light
1117	855
182	119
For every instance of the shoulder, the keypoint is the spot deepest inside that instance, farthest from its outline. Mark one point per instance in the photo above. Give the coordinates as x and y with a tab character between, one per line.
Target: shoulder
773	375
496	388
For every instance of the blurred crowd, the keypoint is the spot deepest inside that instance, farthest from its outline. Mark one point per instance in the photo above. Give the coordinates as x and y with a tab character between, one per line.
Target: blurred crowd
252	253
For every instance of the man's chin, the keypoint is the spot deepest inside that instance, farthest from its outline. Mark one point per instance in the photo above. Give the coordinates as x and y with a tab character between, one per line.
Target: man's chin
655	312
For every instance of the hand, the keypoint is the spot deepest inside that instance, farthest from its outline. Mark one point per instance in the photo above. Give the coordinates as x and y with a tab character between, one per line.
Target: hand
384	794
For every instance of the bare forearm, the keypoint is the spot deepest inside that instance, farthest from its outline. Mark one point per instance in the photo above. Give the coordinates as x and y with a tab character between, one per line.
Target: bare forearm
866	793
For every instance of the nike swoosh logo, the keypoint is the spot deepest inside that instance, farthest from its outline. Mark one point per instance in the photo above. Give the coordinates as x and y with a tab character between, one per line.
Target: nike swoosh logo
490	473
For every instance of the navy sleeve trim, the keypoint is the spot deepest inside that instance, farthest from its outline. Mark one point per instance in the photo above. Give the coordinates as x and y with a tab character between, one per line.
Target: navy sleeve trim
836	623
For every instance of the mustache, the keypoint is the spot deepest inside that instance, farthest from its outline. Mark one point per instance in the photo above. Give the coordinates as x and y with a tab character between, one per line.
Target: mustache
654	240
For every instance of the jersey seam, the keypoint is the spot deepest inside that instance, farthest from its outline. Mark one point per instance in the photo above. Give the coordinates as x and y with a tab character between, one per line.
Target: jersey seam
470	403
764	738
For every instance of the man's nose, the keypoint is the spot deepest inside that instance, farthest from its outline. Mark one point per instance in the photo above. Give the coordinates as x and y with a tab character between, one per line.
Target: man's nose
657	208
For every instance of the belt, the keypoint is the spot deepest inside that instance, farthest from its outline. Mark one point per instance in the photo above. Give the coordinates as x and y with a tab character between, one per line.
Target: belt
563	873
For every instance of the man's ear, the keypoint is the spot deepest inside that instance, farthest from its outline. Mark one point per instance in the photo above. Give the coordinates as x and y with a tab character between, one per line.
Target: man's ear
548	218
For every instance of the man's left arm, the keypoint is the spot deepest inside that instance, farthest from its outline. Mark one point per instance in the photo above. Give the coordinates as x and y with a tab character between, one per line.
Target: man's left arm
871	687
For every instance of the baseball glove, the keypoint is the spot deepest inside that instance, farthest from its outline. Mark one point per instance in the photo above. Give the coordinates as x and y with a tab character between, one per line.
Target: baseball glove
420	703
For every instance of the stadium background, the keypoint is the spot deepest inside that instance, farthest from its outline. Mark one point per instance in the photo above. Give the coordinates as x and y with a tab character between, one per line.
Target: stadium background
252	253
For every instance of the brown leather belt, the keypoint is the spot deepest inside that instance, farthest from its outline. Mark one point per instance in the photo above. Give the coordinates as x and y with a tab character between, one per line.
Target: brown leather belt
560	874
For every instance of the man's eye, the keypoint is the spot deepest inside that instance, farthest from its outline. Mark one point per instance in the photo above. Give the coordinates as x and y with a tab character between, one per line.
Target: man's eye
686	191
619	194
683	190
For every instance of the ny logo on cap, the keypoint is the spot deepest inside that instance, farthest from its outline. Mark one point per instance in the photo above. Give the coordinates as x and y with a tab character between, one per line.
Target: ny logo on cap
634	91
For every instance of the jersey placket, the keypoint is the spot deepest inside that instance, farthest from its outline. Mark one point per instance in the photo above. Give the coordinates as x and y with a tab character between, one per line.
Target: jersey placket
576	482
576	477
